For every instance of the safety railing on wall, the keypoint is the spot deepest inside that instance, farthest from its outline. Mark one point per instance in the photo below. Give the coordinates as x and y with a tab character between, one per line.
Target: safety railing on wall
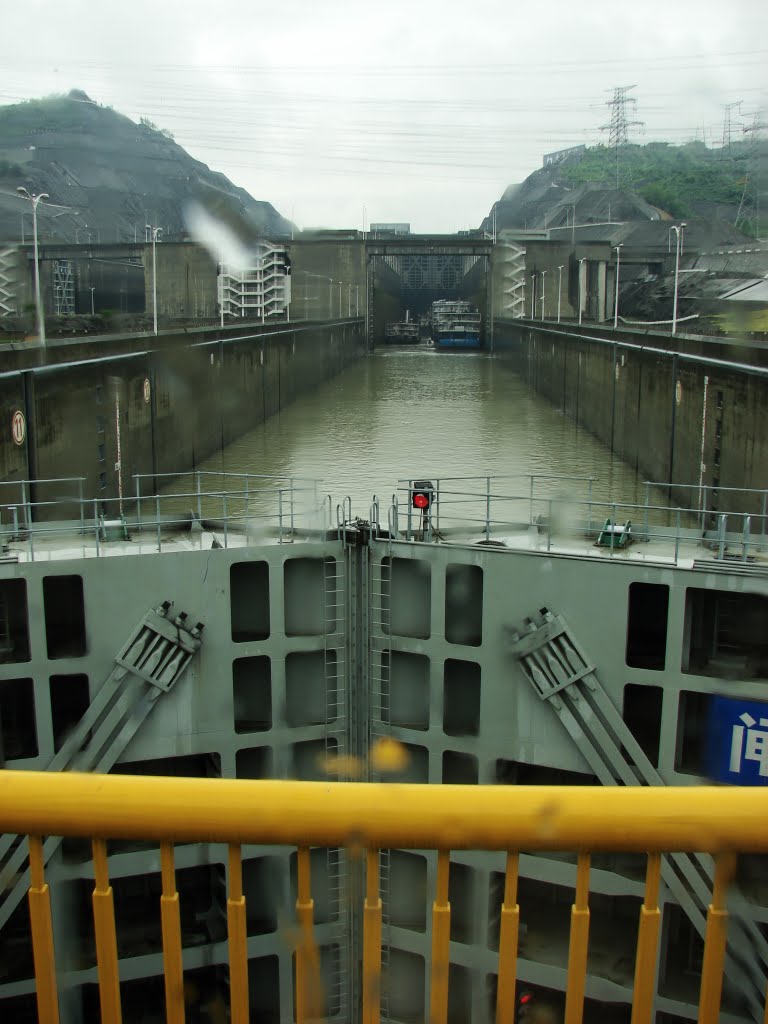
367	818
564	512
251	507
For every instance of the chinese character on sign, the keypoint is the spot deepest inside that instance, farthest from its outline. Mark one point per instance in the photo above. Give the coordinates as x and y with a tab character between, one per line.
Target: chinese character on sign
749	743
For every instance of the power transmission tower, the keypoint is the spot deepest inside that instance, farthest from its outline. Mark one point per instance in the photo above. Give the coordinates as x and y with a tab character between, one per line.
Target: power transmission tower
728	126
748	216
620	123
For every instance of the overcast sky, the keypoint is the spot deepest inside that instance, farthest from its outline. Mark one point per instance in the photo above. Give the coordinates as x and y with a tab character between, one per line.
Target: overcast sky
416	110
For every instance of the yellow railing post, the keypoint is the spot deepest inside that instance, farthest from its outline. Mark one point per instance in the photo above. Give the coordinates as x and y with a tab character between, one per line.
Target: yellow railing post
578	945
647	945
171	922
42	936
309	995
106	938
372	942
238	939
714	943
509	929
441	939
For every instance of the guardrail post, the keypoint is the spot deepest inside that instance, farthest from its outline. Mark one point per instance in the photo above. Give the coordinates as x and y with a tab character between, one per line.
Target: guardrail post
309	998
677	534
509	929
714	942
106	938
199	496
238	940
96	525
138	500
647	945
224	511
577	947
646	523
171	928
487	508
530	518
157	517
722	523
441	937
745	537
372	942
80	505
42	935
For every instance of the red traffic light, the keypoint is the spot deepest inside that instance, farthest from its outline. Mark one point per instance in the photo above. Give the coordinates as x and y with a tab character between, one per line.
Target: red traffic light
525	998
422	493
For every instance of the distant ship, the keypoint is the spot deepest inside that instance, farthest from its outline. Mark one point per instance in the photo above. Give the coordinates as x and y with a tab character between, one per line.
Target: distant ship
455	324
403	332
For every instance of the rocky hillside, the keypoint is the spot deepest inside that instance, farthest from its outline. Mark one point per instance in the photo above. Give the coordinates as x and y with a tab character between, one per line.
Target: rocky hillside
655	181
108	177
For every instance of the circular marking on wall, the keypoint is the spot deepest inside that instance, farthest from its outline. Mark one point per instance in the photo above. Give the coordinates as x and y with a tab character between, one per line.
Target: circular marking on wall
678	393
147	390
18	427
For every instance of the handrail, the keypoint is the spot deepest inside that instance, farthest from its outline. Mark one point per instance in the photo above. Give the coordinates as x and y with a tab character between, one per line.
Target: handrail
413	816
371	817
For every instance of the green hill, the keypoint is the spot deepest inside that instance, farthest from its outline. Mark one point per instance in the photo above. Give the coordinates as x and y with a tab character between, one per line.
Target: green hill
677	179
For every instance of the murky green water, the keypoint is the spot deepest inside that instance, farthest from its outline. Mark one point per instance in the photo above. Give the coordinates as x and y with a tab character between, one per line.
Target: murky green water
423	414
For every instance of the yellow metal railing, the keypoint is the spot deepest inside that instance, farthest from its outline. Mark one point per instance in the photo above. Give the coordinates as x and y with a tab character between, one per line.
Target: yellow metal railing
372	817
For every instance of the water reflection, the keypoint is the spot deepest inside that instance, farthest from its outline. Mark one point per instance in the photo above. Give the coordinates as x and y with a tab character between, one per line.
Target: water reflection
423	414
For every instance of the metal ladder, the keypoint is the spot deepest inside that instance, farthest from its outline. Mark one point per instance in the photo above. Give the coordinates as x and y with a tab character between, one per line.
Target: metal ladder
380	726
339	997
562	675
150	663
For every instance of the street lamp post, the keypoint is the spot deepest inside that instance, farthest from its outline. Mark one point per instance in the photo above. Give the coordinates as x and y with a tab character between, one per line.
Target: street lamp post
543	276
330	297
154	233
357	300
559	290
533	293
340	286
678	244
92	304
582	261
616	303
34	200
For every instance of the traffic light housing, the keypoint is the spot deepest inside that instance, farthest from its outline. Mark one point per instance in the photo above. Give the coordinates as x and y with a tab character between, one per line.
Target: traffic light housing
525	1003
422	495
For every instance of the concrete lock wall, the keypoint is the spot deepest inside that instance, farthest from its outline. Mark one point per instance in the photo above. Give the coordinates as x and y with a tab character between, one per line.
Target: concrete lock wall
673	418
175	404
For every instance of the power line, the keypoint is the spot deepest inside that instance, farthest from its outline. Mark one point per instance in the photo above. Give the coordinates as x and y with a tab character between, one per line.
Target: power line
728	127
619	125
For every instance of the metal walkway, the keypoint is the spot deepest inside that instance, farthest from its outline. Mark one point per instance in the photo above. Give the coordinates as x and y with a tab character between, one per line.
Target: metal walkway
561	674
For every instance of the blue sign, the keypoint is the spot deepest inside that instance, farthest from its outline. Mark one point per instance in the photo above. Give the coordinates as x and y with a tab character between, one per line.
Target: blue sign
737	742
